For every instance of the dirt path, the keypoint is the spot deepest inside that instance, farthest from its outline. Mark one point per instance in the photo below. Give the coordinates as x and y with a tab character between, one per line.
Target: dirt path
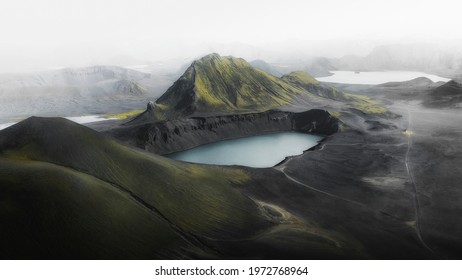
411	178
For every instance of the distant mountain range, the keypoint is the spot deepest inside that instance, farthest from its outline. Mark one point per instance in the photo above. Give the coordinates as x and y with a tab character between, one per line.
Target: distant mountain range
270	69
427	58
86	76
76	91
418	57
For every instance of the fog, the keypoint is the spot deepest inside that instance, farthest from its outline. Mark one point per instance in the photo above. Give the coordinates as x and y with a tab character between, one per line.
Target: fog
46	34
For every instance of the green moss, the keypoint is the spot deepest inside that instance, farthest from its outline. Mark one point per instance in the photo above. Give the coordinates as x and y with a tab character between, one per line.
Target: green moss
335	114
226	84
124	115
233	84
198	199
82	184
367	105
80	216
300	77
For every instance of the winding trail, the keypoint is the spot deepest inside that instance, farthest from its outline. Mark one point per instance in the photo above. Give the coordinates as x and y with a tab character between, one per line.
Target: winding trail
282	169
414	185
333	196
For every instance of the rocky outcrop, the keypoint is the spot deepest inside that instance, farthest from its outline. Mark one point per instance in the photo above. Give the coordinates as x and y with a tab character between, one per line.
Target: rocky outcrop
150	106
177	135
314	121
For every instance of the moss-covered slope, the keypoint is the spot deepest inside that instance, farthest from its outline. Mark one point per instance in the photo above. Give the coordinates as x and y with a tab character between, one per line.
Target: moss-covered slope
74	168
217	84
67	191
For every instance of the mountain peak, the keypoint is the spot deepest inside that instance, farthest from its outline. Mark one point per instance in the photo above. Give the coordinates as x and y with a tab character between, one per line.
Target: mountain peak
217	83
210	56
217	61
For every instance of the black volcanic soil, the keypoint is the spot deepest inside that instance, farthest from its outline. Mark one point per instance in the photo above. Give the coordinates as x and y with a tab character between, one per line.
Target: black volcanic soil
391	184
177	135
374	188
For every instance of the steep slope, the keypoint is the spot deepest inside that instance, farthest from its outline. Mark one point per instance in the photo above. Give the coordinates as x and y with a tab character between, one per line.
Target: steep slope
225	84
216	85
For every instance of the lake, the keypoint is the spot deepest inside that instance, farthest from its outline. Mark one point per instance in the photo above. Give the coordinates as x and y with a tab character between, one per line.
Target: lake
256	151
375	78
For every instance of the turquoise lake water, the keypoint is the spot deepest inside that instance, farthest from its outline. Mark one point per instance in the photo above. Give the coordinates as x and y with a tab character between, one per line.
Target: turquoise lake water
256	151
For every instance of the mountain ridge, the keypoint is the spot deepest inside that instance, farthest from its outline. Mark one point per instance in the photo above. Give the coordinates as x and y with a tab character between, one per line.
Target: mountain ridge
215	83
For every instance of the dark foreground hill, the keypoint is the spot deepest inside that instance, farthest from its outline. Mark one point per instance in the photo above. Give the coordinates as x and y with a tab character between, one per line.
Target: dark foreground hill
70	192
67	191
376	187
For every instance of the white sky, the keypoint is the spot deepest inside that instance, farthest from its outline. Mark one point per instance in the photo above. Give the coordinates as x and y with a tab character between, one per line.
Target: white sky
37	32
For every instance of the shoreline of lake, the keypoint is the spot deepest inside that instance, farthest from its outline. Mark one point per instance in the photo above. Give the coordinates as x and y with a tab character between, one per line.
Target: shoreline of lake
260	151
376	77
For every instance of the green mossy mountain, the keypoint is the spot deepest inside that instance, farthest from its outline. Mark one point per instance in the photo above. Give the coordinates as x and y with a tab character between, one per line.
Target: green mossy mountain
215	84
218	84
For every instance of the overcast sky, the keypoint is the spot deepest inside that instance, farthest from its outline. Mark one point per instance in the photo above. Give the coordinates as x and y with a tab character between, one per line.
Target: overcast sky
37	33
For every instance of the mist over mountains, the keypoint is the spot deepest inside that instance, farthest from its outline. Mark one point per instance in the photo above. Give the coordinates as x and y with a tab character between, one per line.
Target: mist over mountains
423	57
315	57
418	57
320	57
69	91
83	90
